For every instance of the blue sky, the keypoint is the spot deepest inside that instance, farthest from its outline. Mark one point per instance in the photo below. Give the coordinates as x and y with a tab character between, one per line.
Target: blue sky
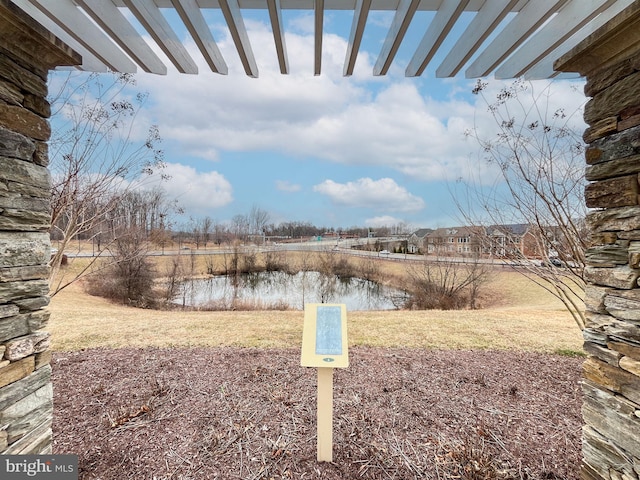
330	150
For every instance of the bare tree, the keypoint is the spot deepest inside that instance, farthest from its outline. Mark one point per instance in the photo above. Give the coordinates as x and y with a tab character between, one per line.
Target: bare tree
201	230
147	210
240	227
220	233
95	157
538	152
258	220
196	232
206	226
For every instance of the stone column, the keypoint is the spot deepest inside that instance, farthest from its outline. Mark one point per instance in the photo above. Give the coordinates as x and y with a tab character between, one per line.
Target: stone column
27	52
610	60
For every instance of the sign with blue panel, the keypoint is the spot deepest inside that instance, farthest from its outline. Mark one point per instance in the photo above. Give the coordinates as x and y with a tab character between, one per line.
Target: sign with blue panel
324	336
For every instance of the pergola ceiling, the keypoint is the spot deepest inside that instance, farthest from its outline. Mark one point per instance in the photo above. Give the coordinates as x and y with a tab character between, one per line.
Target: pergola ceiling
506	38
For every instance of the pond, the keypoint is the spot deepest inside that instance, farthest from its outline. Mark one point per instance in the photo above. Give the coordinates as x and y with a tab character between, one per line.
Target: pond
272	290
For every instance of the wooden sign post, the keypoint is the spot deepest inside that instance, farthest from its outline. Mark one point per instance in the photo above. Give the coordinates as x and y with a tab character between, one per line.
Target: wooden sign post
325	347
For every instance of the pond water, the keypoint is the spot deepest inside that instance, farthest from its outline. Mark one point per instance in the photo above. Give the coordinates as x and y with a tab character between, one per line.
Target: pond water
278	289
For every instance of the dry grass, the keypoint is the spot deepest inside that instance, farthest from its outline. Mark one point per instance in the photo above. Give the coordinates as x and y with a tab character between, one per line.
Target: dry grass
525	318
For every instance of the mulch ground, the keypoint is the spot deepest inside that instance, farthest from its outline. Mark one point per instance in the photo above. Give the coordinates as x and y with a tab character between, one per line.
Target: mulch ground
238	413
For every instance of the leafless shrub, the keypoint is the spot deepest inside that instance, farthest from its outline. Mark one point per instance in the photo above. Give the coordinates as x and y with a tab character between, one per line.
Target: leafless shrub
248	262
275	261
129	278
369	269
333	263
173	279
445	284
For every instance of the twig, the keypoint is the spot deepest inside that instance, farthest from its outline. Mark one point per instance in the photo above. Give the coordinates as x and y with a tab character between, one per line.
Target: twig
500	443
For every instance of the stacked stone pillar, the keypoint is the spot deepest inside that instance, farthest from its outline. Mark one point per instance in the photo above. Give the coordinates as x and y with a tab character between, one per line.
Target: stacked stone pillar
610	60
27	52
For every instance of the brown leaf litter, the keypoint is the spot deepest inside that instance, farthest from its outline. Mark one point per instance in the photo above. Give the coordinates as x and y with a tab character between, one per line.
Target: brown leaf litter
241	413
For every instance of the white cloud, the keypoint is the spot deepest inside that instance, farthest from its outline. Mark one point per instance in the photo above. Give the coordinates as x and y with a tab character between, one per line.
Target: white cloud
195	191
361	121
329	117
382	221
209	112
384	194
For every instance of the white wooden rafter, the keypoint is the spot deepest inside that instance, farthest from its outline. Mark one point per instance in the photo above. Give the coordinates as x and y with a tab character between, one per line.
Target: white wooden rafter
318	15
197	27
360	14
114	23
528	20
483	24
64	14
559	28
544	68
404	14
438	29
507	38
275	16
231	11
89	61
149	16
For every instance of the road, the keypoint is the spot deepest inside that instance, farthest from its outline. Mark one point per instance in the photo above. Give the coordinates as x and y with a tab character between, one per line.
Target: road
342	246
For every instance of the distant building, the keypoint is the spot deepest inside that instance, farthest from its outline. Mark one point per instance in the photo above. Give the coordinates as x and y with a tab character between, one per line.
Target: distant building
455	241
416	241
513	241
521	240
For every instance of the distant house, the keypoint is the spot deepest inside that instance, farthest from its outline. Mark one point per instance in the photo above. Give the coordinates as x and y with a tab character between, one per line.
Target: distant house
416	242
455	241
511	241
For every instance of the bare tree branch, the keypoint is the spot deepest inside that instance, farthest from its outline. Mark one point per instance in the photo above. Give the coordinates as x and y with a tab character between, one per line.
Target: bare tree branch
539	157
98	157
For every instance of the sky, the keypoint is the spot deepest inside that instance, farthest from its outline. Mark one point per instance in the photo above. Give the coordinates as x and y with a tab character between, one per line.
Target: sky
330	150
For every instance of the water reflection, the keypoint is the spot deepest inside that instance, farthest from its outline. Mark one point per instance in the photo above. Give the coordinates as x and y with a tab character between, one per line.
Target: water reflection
282	290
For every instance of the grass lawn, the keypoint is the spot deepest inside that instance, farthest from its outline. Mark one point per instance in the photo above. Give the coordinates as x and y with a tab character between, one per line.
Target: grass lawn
522	316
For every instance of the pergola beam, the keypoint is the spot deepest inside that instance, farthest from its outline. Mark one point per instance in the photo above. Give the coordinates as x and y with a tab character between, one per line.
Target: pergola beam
527	21
149	16
544	68
508	38
66	16
482	25
439	28
275	16
360	15
559	28
318	15
231	11
193	19
112	21
401	20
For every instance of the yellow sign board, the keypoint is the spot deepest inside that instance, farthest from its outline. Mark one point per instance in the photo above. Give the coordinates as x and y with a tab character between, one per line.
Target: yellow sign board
325	346
324	336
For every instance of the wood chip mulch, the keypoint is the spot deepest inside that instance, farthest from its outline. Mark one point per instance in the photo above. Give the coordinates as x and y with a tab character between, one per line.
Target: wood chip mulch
240	413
